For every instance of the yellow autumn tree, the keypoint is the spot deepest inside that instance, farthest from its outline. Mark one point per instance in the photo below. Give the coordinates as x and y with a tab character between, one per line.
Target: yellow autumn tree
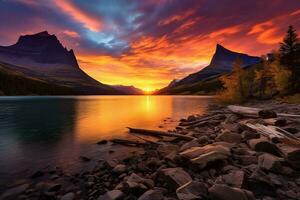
233	84
281	75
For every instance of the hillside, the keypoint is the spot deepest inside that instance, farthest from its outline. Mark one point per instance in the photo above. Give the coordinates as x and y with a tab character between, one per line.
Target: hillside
16	83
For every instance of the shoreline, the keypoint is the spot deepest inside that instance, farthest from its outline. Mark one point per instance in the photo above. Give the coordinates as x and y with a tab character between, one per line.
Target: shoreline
221	161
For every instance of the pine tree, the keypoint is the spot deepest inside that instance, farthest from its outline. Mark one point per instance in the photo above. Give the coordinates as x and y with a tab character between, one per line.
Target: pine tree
290	57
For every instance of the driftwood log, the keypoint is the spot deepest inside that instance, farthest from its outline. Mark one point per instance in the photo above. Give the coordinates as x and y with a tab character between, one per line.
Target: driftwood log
128	142
254	112
156	133
273	132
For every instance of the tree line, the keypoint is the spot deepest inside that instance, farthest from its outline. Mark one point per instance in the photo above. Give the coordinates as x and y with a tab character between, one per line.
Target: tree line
275	76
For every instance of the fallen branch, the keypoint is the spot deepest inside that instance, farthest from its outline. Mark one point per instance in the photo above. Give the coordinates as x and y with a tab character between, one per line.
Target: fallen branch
254	112
274	132
146	140
159	133
203	119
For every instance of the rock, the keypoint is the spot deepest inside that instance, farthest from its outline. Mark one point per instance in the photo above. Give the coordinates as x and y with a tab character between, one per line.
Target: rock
292	155
191	118
37	174
270	162
203	160
263	145
54	187
261	184
203	139
229	137
112	163
247	135
201	156
137	184
175	177
193	143
266	114
192	190
68	196
246	160
102	142
224	192
153	194
166	149
14	191
195	152
85	159
119	169
235	178
112	195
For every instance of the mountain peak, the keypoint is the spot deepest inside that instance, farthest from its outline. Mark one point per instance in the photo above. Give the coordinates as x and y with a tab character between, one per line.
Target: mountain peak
42	34
43	48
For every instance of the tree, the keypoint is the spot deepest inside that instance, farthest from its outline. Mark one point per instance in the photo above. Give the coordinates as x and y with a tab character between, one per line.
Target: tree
264	79
290	57
234	85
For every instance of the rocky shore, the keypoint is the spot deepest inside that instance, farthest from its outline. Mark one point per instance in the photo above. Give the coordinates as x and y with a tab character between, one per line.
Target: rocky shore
223	155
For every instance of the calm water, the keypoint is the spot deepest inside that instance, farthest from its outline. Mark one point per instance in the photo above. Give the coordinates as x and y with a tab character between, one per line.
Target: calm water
37	132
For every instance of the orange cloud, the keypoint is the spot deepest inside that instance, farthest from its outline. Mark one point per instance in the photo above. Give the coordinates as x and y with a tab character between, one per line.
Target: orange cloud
89	22
72	34
226	31
176	18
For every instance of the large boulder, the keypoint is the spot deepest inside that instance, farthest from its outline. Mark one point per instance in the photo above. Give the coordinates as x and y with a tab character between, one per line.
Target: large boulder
263	145
292	154
175	177
270	162
192	190
203	160
224	192
195	152
202	156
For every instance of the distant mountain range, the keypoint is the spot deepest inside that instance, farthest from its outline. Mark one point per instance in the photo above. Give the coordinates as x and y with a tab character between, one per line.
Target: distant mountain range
206	80
39	64
42	57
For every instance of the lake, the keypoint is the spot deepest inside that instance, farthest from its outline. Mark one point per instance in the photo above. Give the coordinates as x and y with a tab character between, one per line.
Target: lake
44	132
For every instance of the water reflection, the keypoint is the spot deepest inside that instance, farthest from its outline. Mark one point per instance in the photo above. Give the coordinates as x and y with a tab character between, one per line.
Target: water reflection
40	131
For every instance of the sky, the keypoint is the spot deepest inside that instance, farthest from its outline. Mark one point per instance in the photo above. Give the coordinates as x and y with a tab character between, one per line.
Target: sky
147	43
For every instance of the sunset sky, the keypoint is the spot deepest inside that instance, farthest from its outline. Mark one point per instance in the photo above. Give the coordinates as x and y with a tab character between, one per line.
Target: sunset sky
147	43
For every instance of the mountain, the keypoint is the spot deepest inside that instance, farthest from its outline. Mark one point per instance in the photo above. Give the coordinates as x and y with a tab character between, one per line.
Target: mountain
221	63
43	57
128	90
